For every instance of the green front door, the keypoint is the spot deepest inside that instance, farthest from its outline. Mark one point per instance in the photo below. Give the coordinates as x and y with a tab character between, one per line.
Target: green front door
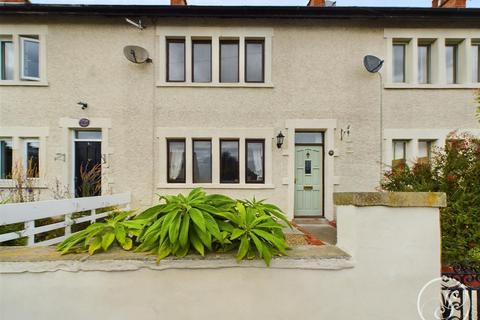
308	180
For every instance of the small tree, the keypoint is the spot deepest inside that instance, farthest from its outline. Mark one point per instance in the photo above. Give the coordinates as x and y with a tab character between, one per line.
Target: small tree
454	170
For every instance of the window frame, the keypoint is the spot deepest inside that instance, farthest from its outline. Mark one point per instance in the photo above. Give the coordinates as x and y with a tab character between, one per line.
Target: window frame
167	47
405	145
404	66
429	143
228	41
455	63
25	155
23	39
262	141
211	158
428	64
201	41
184	159
476	47
2	58
5	139
221	181
254	41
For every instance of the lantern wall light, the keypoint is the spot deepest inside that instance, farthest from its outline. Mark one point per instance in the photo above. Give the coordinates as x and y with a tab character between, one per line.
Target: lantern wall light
280	138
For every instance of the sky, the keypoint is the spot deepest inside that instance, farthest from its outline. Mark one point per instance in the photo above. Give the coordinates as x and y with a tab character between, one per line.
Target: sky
373	3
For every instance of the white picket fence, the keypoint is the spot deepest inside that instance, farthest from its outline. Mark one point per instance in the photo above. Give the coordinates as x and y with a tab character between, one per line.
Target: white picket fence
31	211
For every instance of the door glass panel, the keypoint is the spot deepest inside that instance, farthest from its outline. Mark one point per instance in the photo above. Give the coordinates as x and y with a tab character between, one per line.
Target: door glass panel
308	166
88	135
308	137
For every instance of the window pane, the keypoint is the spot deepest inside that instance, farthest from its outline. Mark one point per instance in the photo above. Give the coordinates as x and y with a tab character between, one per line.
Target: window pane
255	161
32	160
399	150
202	161
398	63
175	60
229	161
451	56
176	161
254	61
6	159
228	61
6	55
475	63
202	61
88	135
30	59
423	64
308	166
424	149
308	137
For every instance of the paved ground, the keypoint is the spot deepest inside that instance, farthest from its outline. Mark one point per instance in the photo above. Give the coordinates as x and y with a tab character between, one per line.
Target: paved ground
320	229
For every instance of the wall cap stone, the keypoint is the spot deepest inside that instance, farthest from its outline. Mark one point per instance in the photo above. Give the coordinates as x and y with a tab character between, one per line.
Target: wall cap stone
46	259
391	199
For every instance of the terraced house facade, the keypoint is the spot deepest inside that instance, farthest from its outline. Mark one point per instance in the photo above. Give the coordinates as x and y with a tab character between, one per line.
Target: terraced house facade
267	101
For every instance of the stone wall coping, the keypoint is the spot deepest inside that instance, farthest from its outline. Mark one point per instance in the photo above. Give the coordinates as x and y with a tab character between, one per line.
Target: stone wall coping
46	259
391	199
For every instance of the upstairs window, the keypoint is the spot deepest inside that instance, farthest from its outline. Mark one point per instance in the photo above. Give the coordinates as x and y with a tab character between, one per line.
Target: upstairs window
229	58
424	63
451	54
202	61
176	161
30	58
6	60
229	161
254	60
399	51
476	63
175	60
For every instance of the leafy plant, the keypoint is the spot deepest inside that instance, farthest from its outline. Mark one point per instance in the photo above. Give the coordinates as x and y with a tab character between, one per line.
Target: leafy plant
182	223
90	180
454	170
103	235
256	231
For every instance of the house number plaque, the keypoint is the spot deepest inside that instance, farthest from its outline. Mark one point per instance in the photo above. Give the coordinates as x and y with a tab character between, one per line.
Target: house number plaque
84	122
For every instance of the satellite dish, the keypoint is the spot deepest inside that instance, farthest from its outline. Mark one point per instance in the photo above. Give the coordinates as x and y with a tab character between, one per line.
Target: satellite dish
372	64
136	54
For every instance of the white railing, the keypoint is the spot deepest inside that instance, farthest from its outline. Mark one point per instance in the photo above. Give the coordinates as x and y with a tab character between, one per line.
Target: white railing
29	212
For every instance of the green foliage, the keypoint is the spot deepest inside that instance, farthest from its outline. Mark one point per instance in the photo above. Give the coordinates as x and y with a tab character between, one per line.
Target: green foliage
115	229
454	170
197	222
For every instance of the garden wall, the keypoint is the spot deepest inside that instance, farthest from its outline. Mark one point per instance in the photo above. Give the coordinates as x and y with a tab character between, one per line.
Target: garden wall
393	239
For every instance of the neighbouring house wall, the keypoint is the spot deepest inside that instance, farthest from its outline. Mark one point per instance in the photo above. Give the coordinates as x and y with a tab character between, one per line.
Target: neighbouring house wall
395	250
316	74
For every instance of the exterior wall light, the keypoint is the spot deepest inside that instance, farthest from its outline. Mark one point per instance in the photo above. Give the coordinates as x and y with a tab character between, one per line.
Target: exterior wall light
280	138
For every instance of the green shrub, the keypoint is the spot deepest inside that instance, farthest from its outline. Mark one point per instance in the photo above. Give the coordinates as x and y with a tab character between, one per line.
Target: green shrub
196	222
103	235
454	170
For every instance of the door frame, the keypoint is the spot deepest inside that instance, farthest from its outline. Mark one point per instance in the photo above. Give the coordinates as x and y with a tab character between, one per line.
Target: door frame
328	127
322	161
74	140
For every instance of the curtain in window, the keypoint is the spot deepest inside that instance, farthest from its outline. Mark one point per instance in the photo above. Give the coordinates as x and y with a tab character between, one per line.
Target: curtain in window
257	157
176	161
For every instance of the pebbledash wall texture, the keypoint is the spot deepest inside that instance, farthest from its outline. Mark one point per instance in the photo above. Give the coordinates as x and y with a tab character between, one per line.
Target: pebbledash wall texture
314	80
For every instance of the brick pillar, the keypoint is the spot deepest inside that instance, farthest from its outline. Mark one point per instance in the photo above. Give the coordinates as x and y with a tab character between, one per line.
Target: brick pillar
316	3
449	3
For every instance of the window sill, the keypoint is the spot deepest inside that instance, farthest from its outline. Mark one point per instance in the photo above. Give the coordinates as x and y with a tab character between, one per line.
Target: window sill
215	186
40	83
10	184
431	86
216	85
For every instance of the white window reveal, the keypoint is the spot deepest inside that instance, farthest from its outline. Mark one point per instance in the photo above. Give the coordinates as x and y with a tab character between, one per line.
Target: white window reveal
30	59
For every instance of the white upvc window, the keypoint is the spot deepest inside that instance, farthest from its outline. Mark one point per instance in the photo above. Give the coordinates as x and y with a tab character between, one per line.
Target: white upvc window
29	58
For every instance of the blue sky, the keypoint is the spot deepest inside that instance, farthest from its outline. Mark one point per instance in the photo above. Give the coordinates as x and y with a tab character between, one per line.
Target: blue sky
375	3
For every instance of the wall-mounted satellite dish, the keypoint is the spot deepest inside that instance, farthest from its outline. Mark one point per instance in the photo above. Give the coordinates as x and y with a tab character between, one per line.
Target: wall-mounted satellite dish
372	64
136	54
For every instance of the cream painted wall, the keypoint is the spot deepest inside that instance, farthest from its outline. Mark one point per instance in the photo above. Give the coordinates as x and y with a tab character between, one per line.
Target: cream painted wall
317	73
